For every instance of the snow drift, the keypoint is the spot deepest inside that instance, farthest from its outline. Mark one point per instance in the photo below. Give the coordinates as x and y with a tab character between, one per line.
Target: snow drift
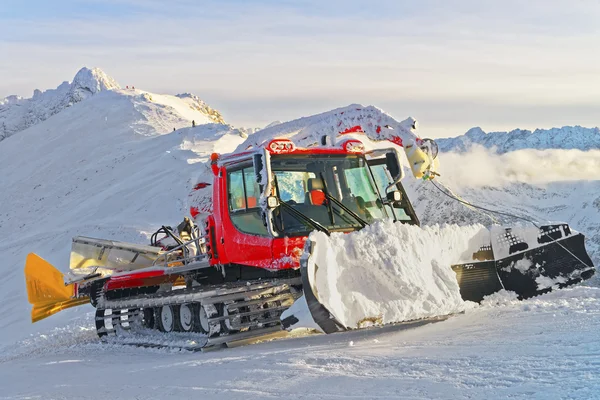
390	272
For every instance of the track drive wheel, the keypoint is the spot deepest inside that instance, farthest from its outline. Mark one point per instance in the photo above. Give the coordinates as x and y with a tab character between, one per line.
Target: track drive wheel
149	319
227	324
165	318
202	313
184	318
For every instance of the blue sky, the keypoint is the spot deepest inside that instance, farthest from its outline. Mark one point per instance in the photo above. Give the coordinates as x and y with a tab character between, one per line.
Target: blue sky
452	65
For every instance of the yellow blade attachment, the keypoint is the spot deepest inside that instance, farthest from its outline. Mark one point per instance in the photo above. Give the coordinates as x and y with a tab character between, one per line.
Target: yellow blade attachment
46	289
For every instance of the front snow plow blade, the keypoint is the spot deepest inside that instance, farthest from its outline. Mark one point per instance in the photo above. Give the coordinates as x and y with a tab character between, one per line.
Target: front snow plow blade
527	261
380	275
46	289
308	311
531	262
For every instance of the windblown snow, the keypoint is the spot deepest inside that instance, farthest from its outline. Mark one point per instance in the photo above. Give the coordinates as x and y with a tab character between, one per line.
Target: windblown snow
480	167
408	277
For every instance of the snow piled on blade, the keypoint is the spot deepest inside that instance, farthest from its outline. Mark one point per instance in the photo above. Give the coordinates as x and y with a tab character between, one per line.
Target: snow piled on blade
390	272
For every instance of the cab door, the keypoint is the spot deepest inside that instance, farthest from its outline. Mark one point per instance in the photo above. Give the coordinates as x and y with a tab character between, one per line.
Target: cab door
244	237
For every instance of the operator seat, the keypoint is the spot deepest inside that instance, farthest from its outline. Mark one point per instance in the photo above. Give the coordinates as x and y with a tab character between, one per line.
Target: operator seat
315	194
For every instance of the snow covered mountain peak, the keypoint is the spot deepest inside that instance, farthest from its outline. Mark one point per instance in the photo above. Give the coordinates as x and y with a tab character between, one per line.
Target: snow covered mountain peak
17	113
159	113
475	132
91	81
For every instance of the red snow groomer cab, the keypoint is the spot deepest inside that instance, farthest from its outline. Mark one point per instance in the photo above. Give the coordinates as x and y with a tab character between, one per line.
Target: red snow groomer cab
267	201
232	275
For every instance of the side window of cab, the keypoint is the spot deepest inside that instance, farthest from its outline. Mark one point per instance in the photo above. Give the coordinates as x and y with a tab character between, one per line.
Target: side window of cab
243	195
404	211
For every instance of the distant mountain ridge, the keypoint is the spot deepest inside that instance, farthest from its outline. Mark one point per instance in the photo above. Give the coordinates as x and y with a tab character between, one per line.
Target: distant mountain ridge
567	137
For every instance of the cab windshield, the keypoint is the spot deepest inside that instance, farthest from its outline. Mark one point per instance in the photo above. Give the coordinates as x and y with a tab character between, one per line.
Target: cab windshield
335	191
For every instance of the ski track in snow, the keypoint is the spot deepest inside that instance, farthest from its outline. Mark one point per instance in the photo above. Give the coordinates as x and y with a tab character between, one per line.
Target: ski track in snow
498	350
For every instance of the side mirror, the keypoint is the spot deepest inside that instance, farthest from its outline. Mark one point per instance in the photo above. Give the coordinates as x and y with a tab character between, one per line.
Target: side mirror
394	197
393	165
258	169
272	202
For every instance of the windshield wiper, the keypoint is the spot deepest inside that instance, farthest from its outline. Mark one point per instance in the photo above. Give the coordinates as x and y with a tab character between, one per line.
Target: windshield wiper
303	218
328	204
297	214
340	204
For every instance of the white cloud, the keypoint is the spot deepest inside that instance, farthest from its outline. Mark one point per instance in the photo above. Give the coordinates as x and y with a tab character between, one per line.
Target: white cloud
482	167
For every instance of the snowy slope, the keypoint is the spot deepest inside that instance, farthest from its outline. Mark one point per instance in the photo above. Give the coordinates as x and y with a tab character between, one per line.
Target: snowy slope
195	103
541	349
18	114
309	131
99	168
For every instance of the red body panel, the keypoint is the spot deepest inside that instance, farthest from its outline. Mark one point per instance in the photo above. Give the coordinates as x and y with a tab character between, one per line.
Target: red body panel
138	279
287	252
235	247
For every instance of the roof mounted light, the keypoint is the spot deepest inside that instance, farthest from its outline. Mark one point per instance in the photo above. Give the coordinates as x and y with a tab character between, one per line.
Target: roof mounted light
353	146
279	146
